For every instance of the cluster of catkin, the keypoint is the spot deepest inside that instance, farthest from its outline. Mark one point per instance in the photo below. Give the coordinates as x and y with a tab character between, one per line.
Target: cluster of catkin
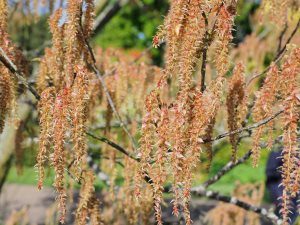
68	89
278	11
128	84
281	87
173	129
128	81
88	206
8	83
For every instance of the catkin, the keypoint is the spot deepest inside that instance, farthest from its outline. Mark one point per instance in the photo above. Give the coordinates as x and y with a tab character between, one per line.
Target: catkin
224	26
57	64
60	116
79	104
6	95
236	104
46	132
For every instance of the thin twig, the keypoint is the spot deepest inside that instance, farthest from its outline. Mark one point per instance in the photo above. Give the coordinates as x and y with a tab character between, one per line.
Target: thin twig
231	165
288	40
114	145
281	36
278	56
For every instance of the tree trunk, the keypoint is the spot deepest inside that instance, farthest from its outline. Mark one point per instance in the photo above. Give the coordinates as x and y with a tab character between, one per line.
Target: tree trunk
7	140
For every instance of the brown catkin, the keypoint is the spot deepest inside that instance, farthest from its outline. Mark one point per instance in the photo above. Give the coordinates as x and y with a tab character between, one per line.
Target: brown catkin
159	171
290	151
57	65
94	210
71	33
79	105
263	108
7	82
3	17
147	141
43	79
174	25
46	132
86	193
236	102
212	95
224	28
89	18
6	95
60	117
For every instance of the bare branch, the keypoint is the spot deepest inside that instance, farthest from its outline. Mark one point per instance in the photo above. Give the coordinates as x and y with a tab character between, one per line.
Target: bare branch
248	128
228	167
288	40
6	169
279	55
114	145
201	191
281	37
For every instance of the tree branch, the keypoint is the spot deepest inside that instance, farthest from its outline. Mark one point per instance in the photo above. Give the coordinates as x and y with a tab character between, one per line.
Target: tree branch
248	128
114	145
105	89
200	191
228	167
6	169
281	37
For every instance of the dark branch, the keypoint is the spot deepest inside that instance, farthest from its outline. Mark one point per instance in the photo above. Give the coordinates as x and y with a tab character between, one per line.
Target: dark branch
281	37
228	167
114	145
6	170
288	40
203	69
200	191
248	128
279	55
